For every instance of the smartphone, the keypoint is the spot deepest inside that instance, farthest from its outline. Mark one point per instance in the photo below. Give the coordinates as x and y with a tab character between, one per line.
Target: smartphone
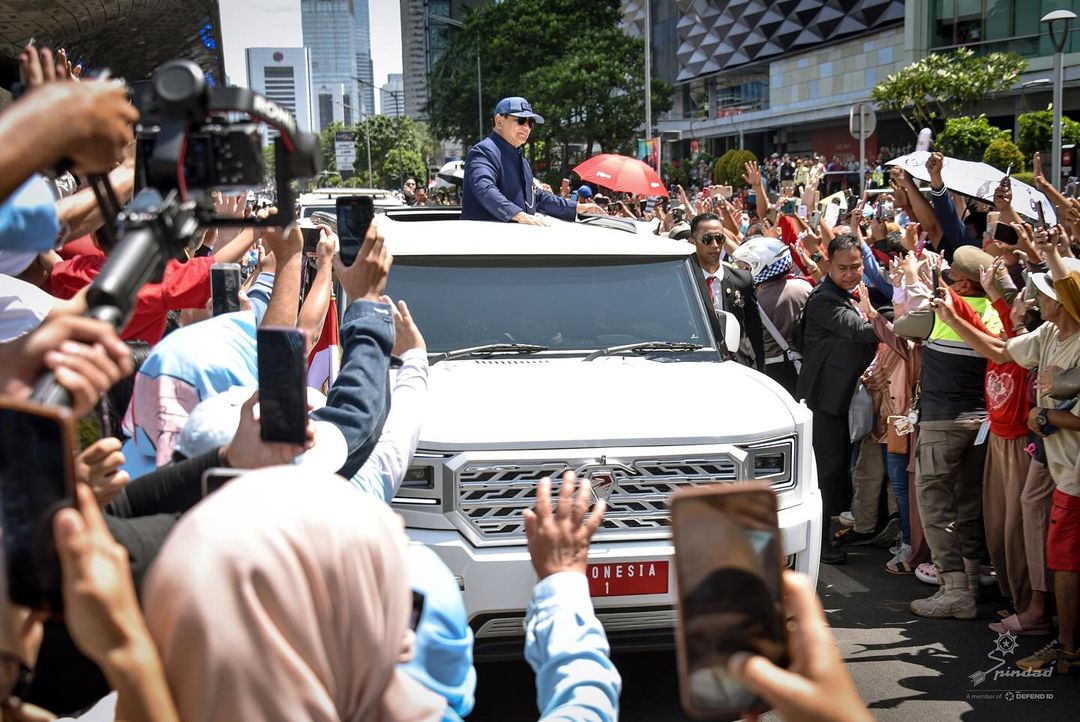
815	221
920	245
1006	234
311	238
788	207
37	479
1070	188
727	571
225	288
214	479
1040	215
354	214
935	281
282	384
801	211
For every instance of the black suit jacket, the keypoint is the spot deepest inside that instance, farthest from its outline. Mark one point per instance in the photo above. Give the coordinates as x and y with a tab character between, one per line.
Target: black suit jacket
740	300
838	346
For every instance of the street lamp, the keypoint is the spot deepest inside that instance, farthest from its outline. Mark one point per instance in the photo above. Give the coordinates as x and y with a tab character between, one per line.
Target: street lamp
1055	20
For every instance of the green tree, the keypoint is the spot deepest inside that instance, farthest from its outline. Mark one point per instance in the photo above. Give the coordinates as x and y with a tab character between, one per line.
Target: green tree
945	85
1037	128
730	167
570	59
414	148
967	138
1003	154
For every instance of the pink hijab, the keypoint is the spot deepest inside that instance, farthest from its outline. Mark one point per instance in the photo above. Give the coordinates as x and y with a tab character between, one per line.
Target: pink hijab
286	598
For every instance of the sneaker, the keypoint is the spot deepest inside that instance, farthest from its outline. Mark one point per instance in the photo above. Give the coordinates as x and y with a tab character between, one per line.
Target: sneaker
901	555
847	519
833	554
889	534
852	538
1051	655
927	574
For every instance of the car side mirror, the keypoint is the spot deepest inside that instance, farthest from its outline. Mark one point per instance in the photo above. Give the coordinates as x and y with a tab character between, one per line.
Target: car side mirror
732	332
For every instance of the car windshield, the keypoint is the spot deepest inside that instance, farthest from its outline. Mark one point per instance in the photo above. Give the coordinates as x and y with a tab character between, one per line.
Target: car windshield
308	210
564	303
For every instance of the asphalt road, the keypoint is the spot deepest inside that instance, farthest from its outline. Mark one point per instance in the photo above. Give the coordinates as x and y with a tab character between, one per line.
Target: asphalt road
906	668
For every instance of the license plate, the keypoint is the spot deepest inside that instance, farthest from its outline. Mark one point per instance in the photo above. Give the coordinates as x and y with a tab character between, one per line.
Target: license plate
621	579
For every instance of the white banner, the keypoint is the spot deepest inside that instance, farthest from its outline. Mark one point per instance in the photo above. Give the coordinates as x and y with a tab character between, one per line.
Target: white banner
344	151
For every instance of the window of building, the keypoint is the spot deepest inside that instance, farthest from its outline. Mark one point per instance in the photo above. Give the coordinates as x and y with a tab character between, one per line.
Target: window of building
326	110
997	25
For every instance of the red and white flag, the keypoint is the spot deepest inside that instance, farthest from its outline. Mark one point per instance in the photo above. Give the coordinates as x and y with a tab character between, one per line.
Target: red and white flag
325	359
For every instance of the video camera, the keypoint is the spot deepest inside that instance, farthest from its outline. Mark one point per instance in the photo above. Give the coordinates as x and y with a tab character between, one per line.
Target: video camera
191	139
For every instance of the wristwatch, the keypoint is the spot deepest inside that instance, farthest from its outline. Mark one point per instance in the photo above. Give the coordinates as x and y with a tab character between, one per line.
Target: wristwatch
817	256
1042	419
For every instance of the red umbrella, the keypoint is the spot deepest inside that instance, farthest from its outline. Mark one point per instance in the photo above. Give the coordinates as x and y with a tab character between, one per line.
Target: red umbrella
622	173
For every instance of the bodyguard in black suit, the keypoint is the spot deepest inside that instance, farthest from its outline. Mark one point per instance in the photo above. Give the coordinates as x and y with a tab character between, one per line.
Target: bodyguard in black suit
838	346
732	288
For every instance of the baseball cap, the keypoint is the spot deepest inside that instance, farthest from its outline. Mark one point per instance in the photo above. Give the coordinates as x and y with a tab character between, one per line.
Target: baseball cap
518	107
584	192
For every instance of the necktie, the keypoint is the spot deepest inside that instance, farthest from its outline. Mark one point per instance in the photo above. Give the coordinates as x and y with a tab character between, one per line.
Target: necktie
711	281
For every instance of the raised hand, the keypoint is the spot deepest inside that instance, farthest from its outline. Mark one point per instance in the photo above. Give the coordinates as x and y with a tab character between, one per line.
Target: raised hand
559	539
366	277
752	174
98	466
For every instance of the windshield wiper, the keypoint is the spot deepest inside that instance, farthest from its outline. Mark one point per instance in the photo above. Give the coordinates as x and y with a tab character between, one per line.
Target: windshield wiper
645	347
488	350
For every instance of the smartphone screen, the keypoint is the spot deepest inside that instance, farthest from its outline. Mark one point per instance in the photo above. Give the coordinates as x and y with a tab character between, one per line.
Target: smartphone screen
354	214
1006	234
282	384
311	238
36	481
727	563
225	288
815	221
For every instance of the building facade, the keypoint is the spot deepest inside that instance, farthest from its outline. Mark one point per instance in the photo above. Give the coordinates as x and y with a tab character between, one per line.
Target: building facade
392	95
364	67
781	75
329	30
426	26
284	76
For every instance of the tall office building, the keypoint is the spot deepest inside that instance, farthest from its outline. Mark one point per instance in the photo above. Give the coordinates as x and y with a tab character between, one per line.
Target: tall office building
426	28
364	68
329	29
391	95
284	76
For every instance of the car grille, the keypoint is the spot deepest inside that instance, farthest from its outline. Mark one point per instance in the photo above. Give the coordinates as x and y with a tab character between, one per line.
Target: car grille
492	497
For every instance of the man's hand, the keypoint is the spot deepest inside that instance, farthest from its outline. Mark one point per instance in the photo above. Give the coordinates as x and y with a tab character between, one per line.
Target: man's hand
933	166
85	354
366	277
39	66
588	208
98	466
559	540
101	120
988	276
407	335
1047	377
327	246
752	174
284	243
1038	179
529	220
247	450
100	607
1033	421
816	686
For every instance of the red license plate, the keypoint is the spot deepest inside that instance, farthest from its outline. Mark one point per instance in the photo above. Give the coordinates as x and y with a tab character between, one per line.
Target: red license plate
620	579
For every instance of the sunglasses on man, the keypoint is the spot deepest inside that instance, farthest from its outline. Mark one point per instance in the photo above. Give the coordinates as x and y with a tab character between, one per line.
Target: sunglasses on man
710	238
523	121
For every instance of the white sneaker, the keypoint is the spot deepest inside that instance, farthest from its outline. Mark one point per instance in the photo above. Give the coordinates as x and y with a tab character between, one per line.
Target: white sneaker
847	519
901	555
927	574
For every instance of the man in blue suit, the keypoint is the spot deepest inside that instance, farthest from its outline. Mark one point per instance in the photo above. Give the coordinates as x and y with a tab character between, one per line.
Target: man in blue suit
498	181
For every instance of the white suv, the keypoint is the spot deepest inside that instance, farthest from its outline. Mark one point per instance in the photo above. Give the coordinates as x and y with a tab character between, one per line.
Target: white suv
585	348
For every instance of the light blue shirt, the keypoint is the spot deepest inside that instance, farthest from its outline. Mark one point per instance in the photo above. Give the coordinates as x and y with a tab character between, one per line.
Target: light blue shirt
567	648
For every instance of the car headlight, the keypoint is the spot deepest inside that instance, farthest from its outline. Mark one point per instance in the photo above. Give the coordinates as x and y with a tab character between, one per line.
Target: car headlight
772	461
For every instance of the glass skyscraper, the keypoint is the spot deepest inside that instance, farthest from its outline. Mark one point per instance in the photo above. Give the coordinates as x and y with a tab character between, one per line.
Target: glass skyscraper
329	29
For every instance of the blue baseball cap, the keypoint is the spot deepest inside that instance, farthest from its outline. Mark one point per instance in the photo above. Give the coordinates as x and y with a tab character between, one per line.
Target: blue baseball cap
584	192
518	107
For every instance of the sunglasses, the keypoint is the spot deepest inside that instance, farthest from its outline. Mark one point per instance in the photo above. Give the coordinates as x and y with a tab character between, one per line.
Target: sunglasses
710	238
531	122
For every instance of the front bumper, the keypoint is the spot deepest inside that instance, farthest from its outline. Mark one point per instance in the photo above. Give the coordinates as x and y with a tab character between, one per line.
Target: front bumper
497	582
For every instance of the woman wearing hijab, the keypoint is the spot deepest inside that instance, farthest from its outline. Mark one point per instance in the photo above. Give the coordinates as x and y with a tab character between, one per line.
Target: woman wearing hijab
281	600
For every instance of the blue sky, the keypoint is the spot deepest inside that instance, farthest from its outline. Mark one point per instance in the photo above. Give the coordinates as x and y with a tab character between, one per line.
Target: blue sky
276	23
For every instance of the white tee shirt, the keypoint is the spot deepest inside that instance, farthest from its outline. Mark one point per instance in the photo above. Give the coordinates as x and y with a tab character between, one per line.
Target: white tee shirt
23	307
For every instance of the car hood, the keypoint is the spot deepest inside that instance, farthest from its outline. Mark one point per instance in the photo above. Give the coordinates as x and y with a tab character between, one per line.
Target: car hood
535	403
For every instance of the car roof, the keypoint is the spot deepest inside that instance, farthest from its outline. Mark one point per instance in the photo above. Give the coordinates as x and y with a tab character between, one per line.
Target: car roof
490	238
322	196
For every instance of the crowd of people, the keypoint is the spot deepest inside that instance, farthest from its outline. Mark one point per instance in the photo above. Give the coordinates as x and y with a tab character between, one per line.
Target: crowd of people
940	363
292	592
